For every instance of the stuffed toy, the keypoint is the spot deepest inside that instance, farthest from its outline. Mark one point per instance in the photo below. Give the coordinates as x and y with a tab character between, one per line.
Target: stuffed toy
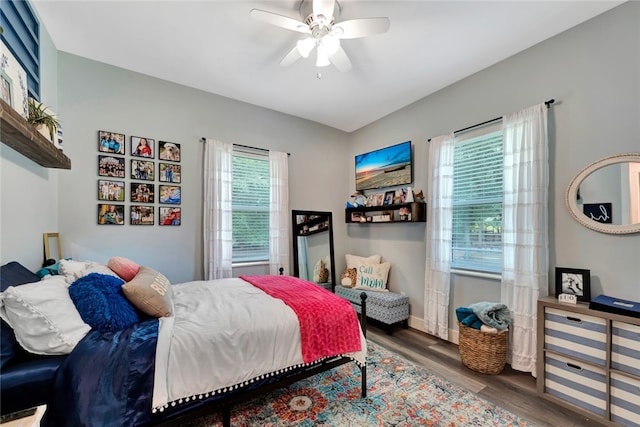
348	279
320	272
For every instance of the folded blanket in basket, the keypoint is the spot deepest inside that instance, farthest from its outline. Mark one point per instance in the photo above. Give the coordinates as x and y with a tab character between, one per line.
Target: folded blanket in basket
492	314
467	317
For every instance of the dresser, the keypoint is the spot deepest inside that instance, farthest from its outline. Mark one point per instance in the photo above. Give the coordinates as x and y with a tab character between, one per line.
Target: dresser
589	361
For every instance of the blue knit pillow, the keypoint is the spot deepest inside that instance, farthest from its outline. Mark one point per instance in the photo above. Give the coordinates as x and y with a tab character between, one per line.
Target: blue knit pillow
101	303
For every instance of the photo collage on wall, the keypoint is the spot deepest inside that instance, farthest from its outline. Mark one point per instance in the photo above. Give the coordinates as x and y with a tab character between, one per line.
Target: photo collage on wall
144	171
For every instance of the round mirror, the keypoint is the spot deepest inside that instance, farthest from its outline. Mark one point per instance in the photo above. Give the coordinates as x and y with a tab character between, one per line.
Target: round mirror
605	196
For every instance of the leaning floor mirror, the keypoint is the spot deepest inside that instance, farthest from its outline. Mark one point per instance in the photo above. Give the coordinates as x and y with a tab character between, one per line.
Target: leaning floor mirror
313	247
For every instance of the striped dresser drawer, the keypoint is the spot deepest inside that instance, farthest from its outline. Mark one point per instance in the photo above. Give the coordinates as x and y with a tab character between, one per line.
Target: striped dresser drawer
625	347
580	385
576	335
625	400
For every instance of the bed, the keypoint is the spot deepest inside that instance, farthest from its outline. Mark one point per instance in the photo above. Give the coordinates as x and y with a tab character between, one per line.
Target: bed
224	342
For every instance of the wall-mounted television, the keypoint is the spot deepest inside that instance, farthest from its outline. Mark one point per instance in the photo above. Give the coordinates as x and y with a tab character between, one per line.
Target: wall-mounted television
386	167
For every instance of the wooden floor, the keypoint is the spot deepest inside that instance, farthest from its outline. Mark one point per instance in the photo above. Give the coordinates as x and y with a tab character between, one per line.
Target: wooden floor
512	390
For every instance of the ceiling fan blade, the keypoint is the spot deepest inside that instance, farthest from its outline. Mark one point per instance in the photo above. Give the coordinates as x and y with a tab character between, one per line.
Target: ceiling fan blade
280	21
355	28
324	8
340	60
291	57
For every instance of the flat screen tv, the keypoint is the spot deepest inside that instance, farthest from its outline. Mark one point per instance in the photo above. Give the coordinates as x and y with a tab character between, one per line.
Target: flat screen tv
386	167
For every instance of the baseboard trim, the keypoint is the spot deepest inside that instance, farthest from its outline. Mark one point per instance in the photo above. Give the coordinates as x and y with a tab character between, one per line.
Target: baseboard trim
418	323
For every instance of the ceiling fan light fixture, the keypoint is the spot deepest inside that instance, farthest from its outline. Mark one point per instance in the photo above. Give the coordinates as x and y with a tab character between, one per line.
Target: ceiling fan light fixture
330	43
305	46
322	59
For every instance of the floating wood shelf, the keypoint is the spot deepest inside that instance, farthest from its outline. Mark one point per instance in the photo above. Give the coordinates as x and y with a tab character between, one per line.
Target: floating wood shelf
18	134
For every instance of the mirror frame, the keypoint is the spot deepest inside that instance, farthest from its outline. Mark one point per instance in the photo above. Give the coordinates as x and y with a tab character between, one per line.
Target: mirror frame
332	262
571	196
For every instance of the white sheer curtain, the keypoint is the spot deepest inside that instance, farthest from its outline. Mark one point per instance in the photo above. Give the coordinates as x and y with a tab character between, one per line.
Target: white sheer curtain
217	222
278	212
439	230
525	228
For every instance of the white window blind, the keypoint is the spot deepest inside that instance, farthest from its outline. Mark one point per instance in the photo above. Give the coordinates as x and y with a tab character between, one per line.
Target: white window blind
250	204
477	202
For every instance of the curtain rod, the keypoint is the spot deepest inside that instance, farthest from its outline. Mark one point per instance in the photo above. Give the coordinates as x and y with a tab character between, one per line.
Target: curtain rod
203	139
547	103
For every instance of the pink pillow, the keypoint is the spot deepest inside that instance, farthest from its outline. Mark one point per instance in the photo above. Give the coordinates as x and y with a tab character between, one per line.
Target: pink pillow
123	267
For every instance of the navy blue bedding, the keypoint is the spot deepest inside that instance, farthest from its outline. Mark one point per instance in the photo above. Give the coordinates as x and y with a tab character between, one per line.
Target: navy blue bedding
107	380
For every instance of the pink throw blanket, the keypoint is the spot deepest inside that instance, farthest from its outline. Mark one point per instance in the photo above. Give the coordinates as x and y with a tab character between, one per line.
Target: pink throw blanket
328	324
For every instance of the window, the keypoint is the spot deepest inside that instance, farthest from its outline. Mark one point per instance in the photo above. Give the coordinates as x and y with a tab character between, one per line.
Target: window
21	34
250	204
477	201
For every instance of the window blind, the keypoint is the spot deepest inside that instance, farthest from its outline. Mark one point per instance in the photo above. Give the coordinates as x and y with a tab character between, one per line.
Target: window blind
477	203
250	204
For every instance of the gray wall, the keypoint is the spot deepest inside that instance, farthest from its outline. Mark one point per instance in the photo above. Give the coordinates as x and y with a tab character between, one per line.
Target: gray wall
593	72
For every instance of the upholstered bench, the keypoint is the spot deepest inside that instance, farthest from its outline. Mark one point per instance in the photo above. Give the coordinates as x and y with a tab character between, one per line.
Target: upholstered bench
386	307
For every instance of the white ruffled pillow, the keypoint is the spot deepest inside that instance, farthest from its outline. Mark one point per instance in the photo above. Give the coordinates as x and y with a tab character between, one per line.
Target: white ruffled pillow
43	317
73	270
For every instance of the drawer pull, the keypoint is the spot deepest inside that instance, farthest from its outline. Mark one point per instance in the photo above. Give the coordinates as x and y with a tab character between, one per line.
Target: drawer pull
574	319
576	367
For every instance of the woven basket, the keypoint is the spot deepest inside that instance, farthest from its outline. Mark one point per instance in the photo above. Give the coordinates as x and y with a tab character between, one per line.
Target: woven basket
482	351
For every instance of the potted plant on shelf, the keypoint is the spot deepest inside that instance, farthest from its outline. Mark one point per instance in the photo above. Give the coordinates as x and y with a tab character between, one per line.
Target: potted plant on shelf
43	120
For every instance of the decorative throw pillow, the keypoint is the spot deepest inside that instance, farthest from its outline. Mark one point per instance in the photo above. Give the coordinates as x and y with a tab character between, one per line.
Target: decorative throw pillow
348	278
151	292
43	317
373	277
74	270
354	261
123	267
101	302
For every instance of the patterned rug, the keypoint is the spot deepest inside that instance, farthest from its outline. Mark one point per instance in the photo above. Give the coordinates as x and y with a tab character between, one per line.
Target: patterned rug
399	393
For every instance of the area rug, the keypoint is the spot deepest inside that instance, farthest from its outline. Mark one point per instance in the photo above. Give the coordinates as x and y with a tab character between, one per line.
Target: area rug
400	393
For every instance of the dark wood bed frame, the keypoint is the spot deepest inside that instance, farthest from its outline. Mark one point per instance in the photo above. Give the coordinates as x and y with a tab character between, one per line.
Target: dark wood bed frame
225	404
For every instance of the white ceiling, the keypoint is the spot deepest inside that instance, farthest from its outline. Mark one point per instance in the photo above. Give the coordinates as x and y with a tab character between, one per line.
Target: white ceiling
216	46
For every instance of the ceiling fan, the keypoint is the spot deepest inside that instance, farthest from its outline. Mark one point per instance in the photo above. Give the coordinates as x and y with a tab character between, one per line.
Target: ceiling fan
318	23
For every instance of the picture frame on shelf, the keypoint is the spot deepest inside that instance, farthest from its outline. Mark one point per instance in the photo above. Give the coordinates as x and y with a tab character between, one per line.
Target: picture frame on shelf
170	194
141	215
169	151
170	172
110	214
16	80
112	191
142	147
142	192
170	215
574	281
378	199
111	142
388	198
142	170
111	166
6	88
357	216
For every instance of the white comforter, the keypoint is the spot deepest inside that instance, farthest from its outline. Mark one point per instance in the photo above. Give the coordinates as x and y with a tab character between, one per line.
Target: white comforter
223	333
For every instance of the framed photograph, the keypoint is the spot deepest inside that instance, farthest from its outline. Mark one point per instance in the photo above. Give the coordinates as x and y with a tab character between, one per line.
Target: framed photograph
142	169
109	214
378	199
6	88
169	151
600	212
111	142
574	281
388	198
111	190
141	215
111	166
142	147
169	172
356	216
141	192
14	79
170	194
170	215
